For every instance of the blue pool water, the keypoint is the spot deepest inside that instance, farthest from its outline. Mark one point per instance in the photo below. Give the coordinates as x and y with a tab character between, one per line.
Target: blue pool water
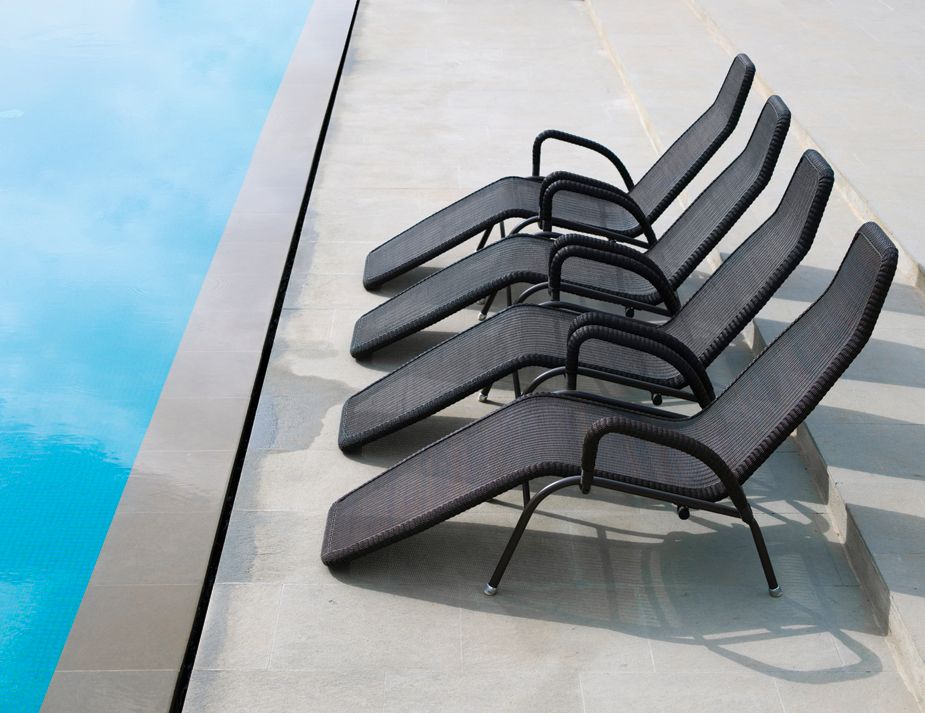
126	127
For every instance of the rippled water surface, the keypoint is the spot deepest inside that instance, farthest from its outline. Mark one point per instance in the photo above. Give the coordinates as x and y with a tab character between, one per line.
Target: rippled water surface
126	128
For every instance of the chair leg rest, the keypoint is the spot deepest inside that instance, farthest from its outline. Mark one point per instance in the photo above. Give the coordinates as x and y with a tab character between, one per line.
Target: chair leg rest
489	591
776	592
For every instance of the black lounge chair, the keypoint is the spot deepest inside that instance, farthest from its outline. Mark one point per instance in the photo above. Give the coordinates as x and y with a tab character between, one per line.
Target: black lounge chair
519	197
693	463
645	281
660	358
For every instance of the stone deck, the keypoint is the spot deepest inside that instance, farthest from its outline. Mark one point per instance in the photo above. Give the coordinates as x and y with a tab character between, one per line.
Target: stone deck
610	603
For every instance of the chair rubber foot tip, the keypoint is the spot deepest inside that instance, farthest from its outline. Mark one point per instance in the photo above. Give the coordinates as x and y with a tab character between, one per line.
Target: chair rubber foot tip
483	398
481	317
489	591
776	592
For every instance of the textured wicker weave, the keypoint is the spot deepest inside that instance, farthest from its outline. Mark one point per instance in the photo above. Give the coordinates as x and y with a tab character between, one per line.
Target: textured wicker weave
779	389
678	166
731	298
524	259
529	335
511	197
533	436
713	213
543	434
519	197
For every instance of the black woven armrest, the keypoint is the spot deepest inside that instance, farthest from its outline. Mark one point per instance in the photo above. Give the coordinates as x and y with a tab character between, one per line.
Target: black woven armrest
609	194
640	336
613	254
548	181
583	143
578	178
646	430
593	243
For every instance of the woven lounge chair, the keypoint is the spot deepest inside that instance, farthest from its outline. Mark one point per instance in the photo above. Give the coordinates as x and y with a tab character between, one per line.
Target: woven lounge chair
518	197
694	463
645	281
660	358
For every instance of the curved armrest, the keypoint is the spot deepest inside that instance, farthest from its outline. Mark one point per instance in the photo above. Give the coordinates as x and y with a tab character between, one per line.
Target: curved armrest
611	195
578	178
584	143
647	430
586	241
558	176
587	248
640	336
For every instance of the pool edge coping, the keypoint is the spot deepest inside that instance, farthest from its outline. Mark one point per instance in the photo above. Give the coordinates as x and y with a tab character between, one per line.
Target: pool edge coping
136	629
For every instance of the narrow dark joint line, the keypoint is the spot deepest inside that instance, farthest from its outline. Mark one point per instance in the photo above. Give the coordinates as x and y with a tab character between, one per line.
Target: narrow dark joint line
189	658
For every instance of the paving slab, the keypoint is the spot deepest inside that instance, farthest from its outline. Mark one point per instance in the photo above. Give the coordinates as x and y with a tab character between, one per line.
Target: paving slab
611	603
848	68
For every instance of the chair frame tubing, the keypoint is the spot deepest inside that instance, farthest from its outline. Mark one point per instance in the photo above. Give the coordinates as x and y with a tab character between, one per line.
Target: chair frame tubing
745	514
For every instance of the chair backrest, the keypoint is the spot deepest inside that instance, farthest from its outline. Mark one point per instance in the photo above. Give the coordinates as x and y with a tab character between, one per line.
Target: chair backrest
684	159
747	279
713	213
785	382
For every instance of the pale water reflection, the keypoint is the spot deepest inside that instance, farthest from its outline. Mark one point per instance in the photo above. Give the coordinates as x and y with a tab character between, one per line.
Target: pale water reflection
125	132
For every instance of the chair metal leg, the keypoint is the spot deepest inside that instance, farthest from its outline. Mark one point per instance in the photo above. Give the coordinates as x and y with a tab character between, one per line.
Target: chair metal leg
483	394
487	306
492	587
683	503
516	375
774	588
484	238
491	298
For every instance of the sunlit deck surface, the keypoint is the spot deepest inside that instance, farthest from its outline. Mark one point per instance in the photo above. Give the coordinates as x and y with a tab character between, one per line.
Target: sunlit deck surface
611	603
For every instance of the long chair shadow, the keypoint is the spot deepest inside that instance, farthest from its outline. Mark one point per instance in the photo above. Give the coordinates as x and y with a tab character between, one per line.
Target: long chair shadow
807	282
883	361
393	356
892	452
388	451
699	588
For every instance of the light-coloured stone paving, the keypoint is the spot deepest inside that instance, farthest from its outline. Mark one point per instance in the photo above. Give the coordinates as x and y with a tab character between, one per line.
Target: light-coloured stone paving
611	603
852	69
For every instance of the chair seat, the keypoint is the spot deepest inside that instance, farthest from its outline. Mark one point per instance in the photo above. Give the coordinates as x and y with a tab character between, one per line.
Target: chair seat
518	337
537	435
519	259
519	197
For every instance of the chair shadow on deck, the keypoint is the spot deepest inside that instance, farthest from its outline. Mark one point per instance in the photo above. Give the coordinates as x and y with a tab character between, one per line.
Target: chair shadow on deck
883	361
643	573
807	282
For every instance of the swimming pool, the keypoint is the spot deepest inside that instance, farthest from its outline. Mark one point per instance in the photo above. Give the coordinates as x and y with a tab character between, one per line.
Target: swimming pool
125	133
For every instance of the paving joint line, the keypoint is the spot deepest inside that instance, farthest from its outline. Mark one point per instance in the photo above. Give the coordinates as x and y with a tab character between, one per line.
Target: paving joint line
856	202
643	114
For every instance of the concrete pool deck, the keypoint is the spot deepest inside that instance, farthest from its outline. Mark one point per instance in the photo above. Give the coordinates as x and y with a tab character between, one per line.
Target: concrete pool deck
610	604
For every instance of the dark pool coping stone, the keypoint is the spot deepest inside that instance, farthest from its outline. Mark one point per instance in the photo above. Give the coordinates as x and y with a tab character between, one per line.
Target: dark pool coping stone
131	633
